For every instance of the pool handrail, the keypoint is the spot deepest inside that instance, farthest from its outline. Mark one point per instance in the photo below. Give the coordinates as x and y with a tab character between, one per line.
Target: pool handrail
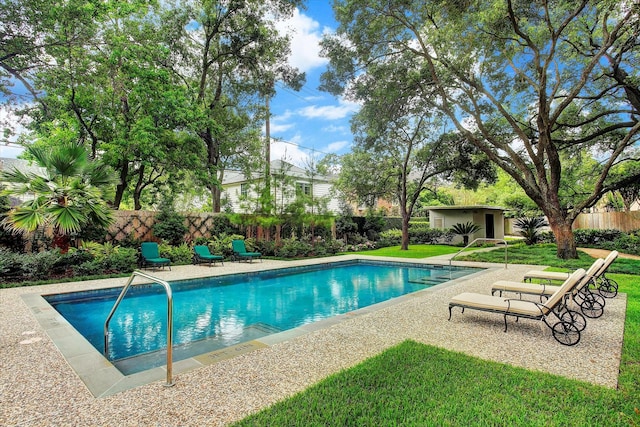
167	288
486	239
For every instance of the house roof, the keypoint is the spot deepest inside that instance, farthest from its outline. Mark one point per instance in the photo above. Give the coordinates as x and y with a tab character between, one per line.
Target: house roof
278	167
7	164
465	208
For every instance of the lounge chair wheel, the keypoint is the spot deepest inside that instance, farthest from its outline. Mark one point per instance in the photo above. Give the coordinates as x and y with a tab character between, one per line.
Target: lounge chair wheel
608	288
592	305
574	318
566	333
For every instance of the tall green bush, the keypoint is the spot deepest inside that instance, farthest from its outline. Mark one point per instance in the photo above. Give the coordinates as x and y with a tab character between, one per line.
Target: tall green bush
169	225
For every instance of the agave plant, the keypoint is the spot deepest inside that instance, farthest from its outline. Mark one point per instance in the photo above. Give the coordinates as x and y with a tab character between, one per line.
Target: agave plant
530	228
465	230
68	195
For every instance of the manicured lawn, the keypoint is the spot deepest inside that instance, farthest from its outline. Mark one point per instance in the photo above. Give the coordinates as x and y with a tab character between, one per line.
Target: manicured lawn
415	251
416	384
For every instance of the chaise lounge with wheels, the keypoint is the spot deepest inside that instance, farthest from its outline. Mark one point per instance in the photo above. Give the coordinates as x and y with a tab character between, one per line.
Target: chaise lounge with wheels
201	254
240	252
608	288
591	304
150	256
553	312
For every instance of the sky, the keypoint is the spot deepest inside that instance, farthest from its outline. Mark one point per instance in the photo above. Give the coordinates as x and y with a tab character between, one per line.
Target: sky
305	124
309	123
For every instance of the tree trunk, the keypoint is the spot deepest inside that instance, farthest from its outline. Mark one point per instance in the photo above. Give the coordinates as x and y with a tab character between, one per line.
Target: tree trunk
564	238
405	231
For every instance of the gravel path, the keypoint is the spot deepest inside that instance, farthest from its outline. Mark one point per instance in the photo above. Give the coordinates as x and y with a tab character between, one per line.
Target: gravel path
38	388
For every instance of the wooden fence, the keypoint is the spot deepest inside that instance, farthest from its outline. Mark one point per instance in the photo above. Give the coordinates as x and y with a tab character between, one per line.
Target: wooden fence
623	221
138	225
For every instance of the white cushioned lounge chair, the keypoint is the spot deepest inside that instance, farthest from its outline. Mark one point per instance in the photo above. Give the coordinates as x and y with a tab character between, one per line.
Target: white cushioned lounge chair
553	312
591	304
608	288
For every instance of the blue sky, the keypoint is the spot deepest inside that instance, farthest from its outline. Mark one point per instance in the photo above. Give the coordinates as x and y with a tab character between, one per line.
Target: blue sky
310	122
307	123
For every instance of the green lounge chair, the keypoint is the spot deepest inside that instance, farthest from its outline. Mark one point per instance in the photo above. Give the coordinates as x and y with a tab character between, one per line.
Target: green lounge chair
150	256
240	252
201	254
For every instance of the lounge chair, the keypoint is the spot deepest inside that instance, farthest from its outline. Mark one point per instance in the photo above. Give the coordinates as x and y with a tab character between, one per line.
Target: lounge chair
608	288
201	254
563	330
591	304
150	256
240	252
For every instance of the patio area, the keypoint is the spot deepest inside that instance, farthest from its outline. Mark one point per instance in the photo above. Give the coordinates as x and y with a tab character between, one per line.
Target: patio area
39	387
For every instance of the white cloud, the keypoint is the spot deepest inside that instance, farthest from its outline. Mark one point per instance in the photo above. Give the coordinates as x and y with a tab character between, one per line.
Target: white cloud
305	35
331	112
289	152
335	129
337	146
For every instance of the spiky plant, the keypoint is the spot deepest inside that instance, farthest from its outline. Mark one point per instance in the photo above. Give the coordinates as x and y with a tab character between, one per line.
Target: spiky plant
68	195
465	230
530	228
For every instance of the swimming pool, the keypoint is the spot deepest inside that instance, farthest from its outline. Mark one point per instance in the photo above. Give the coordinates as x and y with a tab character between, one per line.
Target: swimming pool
219	312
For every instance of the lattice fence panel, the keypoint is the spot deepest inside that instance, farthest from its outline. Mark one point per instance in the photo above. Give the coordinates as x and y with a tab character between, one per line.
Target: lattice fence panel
135	224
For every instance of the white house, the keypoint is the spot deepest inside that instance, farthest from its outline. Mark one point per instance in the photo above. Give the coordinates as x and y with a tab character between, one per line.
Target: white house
287	181
9	164
489	218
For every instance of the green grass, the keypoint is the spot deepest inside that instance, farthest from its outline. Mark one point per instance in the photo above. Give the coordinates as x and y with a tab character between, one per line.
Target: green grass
415	251
416	384
546	255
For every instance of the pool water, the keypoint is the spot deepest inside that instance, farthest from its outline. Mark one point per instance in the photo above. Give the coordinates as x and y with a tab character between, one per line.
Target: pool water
218	312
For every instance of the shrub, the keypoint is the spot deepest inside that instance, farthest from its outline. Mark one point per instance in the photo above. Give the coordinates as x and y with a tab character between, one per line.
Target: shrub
265	247
373	224
179	255
38	266
88	268
221	245
346	226
293	248
10	264
530	228
392	237
592	237
169	225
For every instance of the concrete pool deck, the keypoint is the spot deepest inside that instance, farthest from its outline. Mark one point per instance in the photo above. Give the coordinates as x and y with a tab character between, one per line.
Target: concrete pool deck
42	387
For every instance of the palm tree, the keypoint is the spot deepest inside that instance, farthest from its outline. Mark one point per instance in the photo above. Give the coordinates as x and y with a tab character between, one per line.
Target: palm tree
530	228
68	195
465	230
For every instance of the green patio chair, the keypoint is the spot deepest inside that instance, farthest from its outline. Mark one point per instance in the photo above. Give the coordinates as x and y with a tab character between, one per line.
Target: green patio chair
201	254
240	252
150	256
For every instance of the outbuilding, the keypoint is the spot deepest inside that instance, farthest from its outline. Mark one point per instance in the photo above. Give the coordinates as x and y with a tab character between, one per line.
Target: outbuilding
490	219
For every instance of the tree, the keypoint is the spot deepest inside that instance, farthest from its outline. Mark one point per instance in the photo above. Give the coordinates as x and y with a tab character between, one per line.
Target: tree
530	84
227	54
393	132
69	196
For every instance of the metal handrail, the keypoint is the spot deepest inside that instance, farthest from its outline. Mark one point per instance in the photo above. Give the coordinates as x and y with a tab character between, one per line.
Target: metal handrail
167	288
486	240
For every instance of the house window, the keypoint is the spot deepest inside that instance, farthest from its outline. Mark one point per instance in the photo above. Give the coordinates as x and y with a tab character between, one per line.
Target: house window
438	222
244	190
303	188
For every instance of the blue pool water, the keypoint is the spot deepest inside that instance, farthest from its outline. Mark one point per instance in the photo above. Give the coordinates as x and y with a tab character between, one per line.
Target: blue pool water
218	312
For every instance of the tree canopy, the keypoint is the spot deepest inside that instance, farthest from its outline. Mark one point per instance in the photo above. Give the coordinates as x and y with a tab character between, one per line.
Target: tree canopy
535	85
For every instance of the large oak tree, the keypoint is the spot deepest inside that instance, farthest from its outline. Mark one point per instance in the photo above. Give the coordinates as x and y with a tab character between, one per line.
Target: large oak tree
530	83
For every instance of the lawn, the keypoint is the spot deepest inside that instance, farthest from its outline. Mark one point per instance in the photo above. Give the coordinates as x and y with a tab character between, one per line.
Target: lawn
416	384
415	251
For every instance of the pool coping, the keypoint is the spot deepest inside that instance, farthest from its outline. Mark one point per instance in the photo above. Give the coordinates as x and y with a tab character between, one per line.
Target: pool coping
103	379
